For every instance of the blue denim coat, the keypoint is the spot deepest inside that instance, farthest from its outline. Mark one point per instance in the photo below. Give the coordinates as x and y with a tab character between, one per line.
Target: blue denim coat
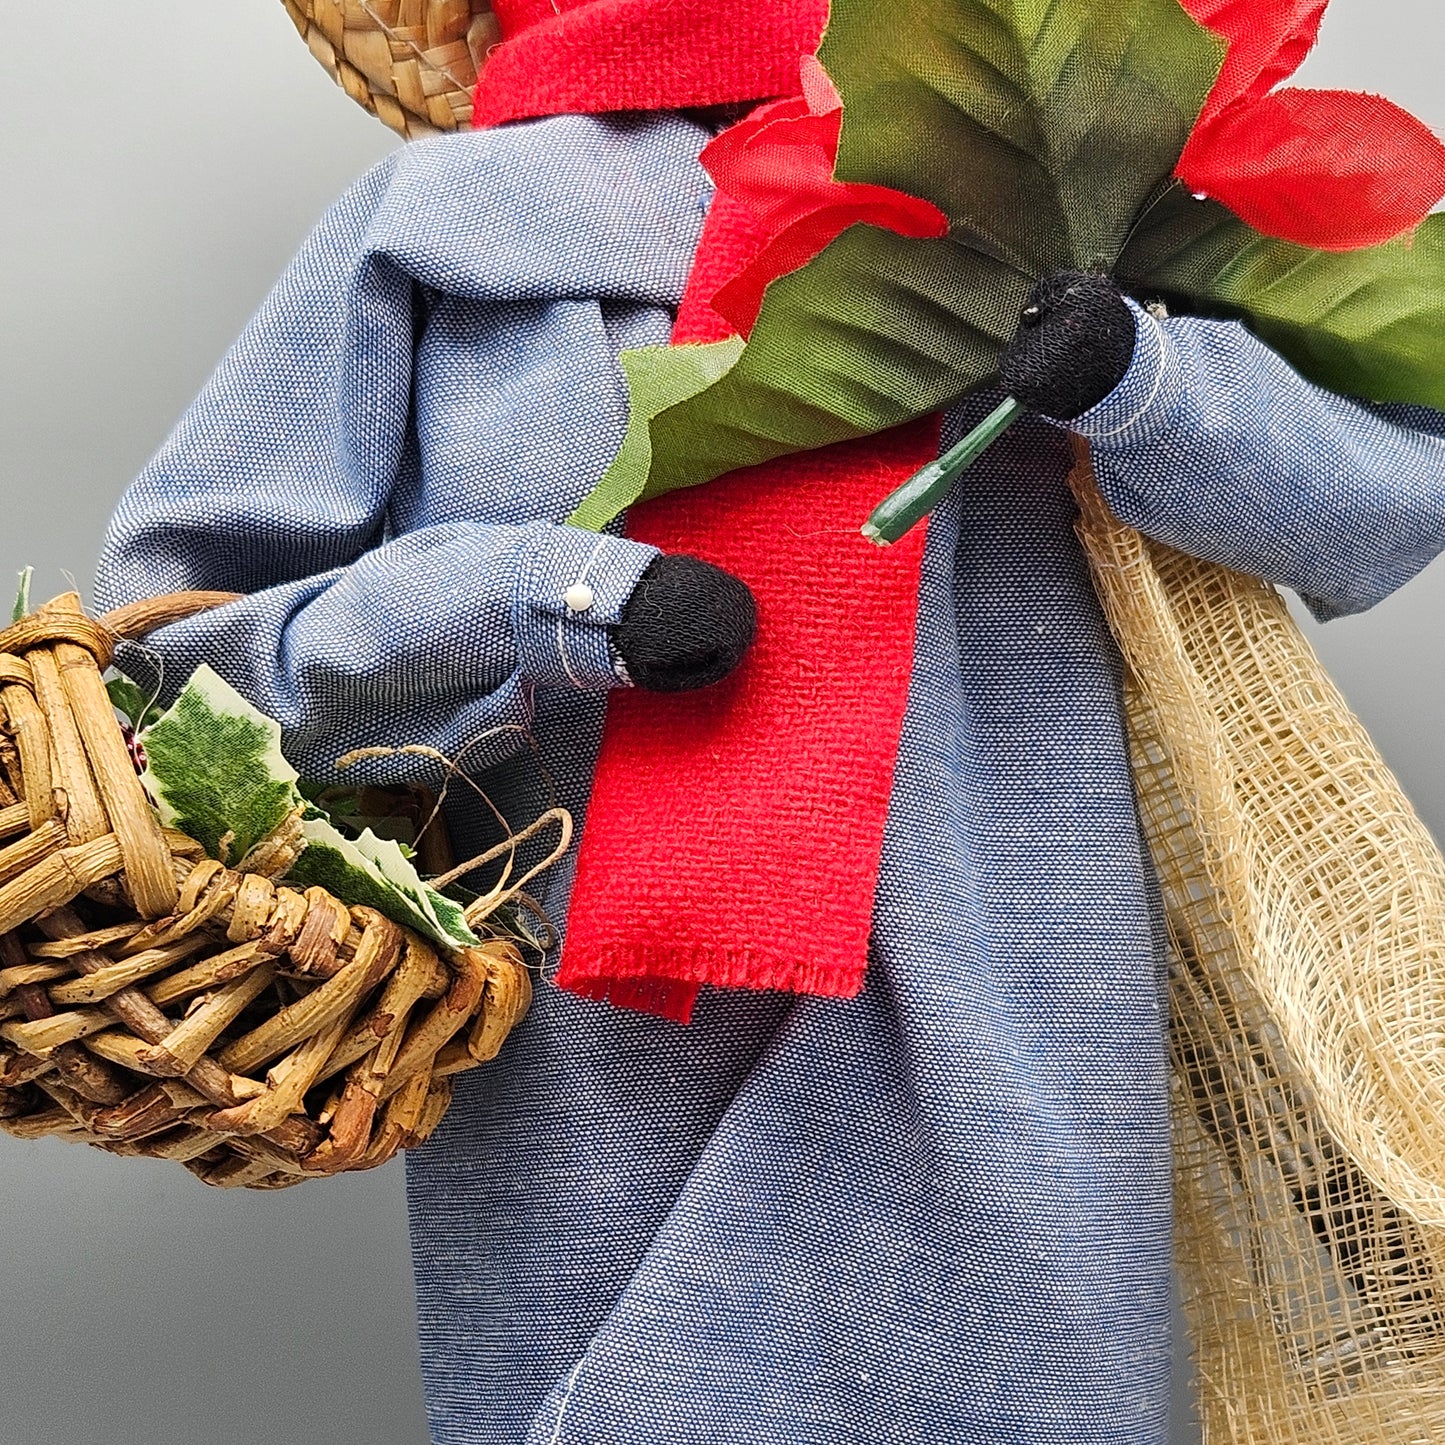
939	1212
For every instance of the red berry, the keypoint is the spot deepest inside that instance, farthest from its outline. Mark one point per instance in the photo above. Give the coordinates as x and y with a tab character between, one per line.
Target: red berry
134	747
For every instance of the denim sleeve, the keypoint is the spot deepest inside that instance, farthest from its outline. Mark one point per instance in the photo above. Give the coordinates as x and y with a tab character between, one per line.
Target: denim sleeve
354	474
1215	445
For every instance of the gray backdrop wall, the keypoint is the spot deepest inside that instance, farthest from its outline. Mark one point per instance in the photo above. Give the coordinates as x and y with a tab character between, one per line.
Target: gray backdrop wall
161	160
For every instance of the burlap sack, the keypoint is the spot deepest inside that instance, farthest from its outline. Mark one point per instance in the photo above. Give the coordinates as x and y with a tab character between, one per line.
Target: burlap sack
1306	909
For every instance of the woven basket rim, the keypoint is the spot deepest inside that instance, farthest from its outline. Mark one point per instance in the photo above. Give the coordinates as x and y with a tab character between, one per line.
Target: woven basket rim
155	1002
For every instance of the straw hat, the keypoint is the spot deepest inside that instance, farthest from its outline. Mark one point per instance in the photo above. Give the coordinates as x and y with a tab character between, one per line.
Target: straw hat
413	63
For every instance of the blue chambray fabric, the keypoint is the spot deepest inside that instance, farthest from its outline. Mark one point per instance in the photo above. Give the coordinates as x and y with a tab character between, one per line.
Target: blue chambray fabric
938	1212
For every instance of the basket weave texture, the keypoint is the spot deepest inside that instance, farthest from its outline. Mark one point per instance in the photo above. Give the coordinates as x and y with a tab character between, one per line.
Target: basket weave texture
154	1002
412	63
1306	910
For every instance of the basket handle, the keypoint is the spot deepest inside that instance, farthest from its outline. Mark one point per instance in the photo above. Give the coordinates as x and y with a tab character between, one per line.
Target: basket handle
139	619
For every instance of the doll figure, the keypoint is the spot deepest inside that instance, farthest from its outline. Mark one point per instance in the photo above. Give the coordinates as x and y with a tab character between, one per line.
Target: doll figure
939	1210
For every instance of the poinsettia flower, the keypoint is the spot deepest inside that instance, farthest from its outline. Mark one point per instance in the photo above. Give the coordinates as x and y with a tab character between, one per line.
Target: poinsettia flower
778	163
1332	169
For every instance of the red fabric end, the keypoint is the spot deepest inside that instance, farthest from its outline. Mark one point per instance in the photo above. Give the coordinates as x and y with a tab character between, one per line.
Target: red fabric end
588	56
1331	169
1306	166
778	164
734	834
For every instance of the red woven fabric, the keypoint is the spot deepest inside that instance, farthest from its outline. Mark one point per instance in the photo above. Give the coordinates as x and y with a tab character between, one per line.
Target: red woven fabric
734	834
567	56
1332	169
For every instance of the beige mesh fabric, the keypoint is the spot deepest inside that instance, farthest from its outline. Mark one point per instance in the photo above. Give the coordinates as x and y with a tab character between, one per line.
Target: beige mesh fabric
1306	907
1314	1304
412	63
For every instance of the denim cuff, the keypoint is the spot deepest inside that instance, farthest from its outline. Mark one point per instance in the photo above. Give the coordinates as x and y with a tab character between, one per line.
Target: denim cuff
571	590
1146	402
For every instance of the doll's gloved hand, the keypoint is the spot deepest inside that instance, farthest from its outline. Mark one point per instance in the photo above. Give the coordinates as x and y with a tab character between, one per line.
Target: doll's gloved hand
1074	343
686	625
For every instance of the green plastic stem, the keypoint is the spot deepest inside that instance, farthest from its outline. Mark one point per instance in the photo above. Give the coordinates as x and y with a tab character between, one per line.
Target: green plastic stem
899	512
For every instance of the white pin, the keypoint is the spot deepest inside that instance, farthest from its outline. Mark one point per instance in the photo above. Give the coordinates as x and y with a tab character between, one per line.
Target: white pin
578	597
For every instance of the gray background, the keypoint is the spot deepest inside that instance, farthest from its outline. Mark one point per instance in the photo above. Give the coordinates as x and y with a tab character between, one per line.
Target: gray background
162	159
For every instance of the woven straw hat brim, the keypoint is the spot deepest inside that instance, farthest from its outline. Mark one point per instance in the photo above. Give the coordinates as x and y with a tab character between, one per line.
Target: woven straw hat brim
411	63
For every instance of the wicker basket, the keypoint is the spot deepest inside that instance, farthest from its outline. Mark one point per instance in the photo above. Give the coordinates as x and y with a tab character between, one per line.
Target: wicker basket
412	63
154	1002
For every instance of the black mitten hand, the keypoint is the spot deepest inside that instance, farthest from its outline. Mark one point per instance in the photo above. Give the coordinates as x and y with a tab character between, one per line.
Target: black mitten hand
1074	343
686	625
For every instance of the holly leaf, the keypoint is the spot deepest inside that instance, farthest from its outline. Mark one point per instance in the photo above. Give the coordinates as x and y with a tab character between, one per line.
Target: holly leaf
1048	123
375	873
216	772
215	769
1364	323
22	594
136	706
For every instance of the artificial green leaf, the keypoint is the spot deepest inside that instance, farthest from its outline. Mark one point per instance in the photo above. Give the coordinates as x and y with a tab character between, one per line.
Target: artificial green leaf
215	769
375	873
872	333
135	705
1049	124
658	377
1368	323
22	594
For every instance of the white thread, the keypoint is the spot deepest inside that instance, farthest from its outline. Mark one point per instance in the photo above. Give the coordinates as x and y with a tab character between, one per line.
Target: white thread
562	621
564	1402
562	650
1153	395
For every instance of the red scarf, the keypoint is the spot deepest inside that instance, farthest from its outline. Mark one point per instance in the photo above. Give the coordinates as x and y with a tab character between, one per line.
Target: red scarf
562	57
734	834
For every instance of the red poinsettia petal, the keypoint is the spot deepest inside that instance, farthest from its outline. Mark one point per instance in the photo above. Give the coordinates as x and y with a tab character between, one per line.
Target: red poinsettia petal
776	166
1333	169
796	244
1268	41
778	171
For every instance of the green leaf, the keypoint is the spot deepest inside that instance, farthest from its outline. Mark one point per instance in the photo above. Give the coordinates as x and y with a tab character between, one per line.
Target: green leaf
1040	128
872	333
658	377
22	595
375	873
1366	323
216	771
135	705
